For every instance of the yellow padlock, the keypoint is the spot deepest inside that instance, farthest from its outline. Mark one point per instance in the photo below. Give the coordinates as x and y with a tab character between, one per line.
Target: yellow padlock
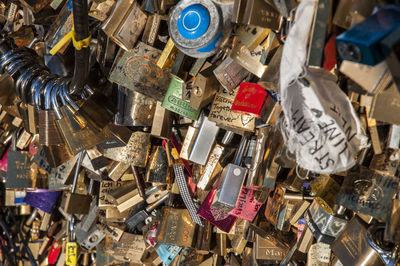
71	253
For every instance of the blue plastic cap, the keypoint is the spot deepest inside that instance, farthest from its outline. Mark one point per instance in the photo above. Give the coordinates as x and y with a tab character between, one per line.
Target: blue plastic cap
193	21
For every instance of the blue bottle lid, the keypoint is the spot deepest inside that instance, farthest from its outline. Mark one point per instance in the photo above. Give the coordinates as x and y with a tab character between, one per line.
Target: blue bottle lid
193	21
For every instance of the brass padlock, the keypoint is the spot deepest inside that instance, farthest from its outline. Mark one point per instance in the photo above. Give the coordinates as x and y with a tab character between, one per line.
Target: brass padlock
204	87
134	108
136	152
158	171
76	203
152	82
176	228
125	23
225	118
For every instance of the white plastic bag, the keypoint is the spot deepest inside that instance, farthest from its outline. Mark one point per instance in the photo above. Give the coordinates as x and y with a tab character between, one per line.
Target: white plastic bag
321	127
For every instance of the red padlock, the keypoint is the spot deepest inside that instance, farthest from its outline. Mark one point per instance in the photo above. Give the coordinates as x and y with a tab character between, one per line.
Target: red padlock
250	100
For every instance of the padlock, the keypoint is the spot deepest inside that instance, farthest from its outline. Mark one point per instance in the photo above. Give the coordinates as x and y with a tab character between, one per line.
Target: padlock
199	28
71	249
49	133
293	206
203	142
170	52
158	171
361	43
221	114
95	236
386	162
368	191
204	87
153	82
116	170
230	73
392	225
139	181
325	190
370	78
136	152
97	159
167	253
250	100
129	248
120	136
168	232
320	25
213	163
127	197
258	12
114	232
105	188
162	122
18	167
116	25
72	128
190	137
325	226
231	182
249	60
269	249
173	100
23	140
255	175
134	109
106	50
319	254
383	105
95	110
73	202
357	246
142	215
101	11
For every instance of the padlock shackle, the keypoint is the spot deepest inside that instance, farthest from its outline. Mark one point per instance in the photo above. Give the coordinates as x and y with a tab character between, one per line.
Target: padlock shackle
54	103
17	65
240	152
76	174
69	100
9	59
39	91
70	227
14	137
228	136
47	92
35	90
18	84
25	82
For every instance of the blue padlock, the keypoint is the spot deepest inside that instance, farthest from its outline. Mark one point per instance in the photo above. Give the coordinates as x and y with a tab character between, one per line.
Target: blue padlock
199	27
361	43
